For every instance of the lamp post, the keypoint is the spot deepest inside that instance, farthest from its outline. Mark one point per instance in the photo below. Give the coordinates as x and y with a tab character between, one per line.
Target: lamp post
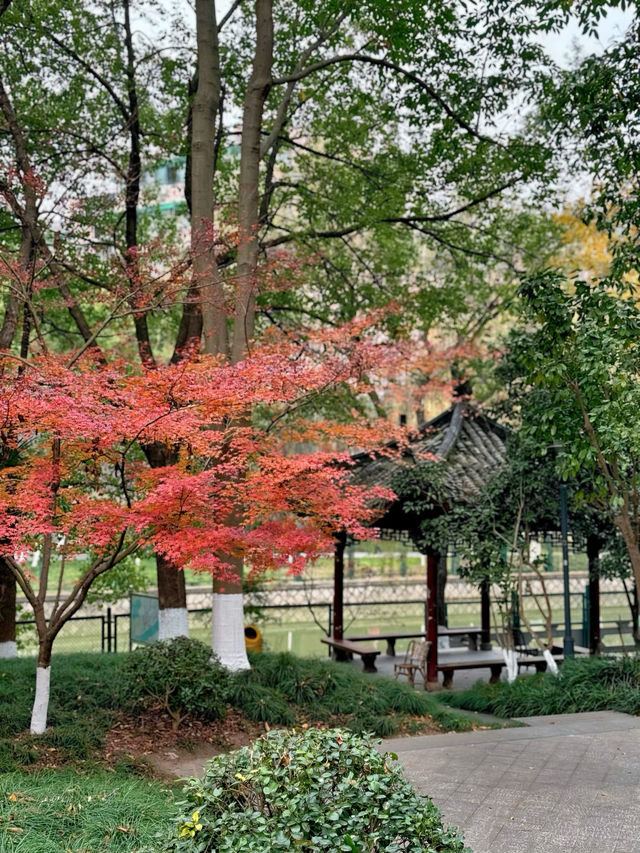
568	647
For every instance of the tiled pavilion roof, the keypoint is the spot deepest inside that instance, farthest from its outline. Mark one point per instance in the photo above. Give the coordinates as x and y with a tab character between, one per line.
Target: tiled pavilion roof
469	445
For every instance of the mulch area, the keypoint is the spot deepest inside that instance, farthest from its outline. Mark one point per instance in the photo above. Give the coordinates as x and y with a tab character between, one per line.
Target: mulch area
153	731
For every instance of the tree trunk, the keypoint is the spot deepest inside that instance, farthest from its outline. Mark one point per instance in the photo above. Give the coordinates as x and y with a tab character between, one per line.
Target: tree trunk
43	676
227	598
8	648
227	622
172	600
248	190
207	284
624	525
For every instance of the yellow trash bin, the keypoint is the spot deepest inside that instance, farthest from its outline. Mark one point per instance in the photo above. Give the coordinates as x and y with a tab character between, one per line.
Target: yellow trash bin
252	638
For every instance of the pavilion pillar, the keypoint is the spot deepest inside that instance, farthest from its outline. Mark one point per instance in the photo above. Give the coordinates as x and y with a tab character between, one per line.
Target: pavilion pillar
593	557
432	621
485	616
338	585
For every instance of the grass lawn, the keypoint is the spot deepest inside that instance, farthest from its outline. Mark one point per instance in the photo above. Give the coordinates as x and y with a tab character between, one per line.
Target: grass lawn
88	694
59	811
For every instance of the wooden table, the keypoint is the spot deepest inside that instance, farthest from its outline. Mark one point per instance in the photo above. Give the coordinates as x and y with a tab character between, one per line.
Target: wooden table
390	639
470	631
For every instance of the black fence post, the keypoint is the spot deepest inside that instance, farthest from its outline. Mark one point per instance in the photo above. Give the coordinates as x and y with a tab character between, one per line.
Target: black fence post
109	634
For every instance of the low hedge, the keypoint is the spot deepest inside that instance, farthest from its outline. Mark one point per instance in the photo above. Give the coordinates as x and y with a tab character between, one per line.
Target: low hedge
312	791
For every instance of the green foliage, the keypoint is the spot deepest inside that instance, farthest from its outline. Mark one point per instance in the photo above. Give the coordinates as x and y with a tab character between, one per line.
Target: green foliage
181	675
584	684
88	690
85	695
321	790
282	688
61	811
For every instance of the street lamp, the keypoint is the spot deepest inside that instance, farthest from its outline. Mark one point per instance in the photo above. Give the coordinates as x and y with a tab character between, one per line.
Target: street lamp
568	647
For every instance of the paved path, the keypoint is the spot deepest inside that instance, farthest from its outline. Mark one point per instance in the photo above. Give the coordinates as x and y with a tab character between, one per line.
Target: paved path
563	784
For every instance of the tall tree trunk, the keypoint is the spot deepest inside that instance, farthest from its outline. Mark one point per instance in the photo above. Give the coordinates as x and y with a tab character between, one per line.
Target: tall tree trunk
227	621
172	600
227	598
8	648
206	103
248	191
626	528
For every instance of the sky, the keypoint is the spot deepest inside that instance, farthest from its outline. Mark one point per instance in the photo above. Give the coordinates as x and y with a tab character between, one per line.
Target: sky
560	46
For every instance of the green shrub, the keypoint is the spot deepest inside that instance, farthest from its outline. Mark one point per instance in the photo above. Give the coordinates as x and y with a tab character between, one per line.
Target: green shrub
321	790
181	675
585	684
318	690
260	703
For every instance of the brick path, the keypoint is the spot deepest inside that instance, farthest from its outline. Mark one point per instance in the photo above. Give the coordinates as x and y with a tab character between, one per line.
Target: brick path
563	784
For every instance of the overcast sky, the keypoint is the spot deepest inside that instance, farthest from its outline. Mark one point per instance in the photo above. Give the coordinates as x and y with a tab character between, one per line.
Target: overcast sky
561	45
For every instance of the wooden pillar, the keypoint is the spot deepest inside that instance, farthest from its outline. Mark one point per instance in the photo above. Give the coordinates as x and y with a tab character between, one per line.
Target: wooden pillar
593	558
432	622
485	616
338	585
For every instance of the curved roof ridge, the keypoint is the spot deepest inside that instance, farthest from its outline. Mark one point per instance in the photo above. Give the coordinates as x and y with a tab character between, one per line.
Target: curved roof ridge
452	432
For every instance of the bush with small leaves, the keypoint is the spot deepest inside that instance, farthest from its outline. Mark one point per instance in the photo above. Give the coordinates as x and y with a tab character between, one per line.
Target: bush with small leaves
312	791
181	676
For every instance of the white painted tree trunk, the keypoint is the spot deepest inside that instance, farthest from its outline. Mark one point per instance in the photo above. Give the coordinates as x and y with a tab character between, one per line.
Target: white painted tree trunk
173	622
511	660
41	702
227	631
552	666
8	649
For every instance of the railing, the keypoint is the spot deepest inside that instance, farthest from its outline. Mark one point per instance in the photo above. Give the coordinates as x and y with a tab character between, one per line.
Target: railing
297	627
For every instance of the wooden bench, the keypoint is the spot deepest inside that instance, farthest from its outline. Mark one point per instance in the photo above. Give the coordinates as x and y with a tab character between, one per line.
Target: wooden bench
447	669
537	660
346	649
390	639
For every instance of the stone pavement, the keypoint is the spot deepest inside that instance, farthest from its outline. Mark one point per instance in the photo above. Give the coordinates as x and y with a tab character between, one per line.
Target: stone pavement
564	784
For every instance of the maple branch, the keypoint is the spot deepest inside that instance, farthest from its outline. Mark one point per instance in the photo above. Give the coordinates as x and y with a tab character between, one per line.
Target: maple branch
77	597
22	580
19	358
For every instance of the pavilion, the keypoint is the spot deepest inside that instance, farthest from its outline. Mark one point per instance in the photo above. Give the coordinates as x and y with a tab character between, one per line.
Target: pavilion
470	448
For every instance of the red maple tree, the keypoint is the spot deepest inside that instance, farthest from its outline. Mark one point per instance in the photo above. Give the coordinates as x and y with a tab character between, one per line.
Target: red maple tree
84	488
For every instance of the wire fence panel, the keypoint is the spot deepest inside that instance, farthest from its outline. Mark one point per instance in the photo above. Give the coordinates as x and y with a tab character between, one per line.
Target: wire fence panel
298	627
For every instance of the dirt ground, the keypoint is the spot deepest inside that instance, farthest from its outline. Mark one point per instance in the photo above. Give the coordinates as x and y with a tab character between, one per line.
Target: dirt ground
175	753
172	753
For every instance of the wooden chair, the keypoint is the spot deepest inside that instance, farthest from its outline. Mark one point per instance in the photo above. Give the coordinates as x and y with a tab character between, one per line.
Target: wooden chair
415	660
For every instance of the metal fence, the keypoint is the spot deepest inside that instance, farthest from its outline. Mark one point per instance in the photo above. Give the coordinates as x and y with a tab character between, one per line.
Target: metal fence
298	627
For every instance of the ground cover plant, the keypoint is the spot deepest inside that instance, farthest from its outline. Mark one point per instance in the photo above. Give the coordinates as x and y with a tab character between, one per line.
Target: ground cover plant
585	684
84	704
283	689
66	812
312	791
175	677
